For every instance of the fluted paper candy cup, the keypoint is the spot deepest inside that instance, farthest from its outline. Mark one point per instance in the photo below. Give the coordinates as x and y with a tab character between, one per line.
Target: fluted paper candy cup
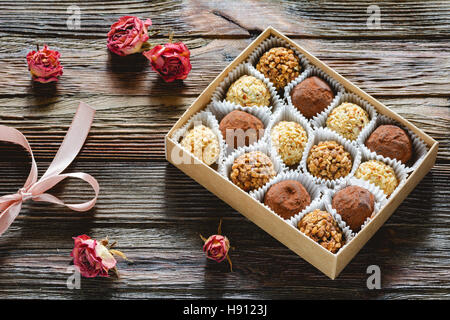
221	109
315	192
207	119
315	72
379	196
419	147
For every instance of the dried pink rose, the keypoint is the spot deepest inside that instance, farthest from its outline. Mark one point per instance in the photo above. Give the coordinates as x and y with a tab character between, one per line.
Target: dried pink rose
171	61
217	247
44	65
127	35
94	258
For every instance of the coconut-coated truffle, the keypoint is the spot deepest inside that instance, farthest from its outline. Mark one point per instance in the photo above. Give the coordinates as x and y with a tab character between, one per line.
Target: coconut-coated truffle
289	139
378	173
203	143
354	204
240	128
280	65
322	228
391	141
286	198
348	119
249	91
329	160
252	170
312	96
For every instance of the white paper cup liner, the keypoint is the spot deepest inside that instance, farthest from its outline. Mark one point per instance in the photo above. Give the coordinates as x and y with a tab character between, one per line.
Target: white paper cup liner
321	205
325	134
311	72
288	113
399	168
220	93
270	43
379	197
419	147
221	109
315	192
321	119
207	119
226	165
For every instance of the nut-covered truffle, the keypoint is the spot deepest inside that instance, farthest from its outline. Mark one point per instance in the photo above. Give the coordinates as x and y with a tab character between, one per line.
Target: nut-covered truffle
281	65
286	198
378	173
249	91
252	170
355	204
312	96
321	227
289	139
329	160
203	143
392	142
348	119
240	128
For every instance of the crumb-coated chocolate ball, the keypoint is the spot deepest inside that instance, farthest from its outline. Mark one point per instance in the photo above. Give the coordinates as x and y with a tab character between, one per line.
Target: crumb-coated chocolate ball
348	119
392	142
249	91
286	198
252	170
240	128
203	143
289	139
312	96
329	160
281	65
322	228
355	204
378	173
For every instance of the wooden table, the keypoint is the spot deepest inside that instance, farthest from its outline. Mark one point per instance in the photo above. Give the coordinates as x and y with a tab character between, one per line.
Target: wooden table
156	212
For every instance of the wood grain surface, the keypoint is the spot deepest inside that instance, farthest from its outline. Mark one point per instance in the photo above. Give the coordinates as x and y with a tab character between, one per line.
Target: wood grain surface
156	212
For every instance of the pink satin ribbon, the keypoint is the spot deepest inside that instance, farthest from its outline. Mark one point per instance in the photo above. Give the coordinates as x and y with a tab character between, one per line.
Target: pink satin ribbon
34	189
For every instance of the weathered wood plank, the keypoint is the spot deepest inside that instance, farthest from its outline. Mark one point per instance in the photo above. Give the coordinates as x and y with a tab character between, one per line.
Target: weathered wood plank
382	68
413	19
159	232
133	127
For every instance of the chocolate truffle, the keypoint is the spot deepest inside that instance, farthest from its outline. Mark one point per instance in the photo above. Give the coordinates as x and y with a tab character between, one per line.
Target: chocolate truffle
203	143
240	128
249	91
286	198
348	119
312	96
355	204
322	228
378	173
289	139
392	142
281	65
329	160
252	170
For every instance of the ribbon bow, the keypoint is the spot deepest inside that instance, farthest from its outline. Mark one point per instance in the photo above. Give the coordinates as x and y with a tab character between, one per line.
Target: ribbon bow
35	189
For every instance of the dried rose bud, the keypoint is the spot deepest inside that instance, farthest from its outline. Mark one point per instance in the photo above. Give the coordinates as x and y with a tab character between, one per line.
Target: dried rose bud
44	65
127	35
94	258
216	247
171	61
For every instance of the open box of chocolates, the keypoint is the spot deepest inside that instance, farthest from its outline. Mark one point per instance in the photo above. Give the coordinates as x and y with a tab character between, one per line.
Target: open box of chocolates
300	151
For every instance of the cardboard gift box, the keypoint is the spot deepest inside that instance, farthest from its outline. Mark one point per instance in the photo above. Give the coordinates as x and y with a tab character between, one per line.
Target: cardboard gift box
327	262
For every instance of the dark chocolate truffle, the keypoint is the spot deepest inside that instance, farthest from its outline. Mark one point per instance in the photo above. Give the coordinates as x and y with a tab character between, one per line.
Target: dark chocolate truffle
286	198
312	96
390	141
240	128
355	204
